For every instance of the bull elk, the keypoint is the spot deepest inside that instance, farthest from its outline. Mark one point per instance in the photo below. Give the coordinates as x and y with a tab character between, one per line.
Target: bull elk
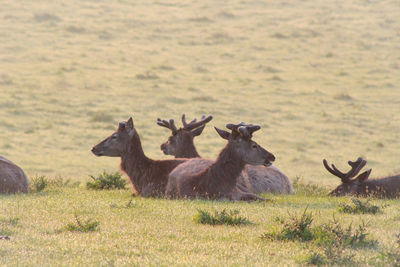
198	178
386	187
253	179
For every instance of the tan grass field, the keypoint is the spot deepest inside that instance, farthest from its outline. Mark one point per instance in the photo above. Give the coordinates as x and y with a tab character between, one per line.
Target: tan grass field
322	78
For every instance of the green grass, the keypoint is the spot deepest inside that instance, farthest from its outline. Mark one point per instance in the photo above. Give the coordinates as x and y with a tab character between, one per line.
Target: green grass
106	181
230	217
322	79
163	232
358	206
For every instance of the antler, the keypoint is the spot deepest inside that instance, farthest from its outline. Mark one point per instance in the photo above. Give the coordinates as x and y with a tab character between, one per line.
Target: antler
356	167
194	123
168	124
245	130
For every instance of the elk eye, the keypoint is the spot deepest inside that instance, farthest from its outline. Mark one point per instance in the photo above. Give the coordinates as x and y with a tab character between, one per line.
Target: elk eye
254	146
114	136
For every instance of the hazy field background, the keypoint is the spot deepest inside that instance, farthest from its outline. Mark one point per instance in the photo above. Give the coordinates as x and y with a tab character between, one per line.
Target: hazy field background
322	78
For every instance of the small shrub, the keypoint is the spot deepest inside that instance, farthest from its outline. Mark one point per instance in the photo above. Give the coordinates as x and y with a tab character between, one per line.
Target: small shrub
107	181
39	183
359	207
218	218
295	228
331	237
82	226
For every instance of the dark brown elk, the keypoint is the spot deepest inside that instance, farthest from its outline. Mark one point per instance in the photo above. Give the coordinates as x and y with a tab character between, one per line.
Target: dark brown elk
12	178
253	179
386	187
180	143
197	178
148	177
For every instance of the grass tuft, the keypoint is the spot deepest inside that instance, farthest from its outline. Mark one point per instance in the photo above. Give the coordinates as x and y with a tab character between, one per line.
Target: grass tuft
359	207
332	238
82	226
39	183
107	181
218	218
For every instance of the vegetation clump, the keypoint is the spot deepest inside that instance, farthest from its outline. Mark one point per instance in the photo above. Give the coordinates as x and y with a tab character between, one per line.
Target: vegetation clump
218	218
39	183
82	226
359	207
330	239
106	181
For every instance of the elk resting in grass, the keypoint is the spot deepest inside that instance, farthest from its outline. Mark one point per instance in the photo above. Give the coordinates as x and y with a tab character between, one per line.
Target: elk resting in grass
148	177
197	178
253	179
12	178
386	187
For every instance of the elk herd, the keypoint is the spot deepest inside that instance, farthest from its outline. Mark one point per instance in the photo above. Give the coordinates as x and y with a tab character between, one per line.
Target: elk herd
242	169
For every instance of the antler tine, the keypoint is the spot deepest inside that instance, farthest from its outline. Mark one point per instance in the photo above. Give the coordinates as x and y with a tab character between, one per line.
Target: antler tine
232	126
195	124
252	128
172	126
329	168
167	124
248	130
356	167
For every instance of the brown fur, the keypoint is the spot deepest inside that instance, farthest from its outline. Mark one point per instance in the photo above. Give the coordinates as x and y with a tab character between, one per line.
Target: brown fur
148	177
253	179
216	179
385	187
12	178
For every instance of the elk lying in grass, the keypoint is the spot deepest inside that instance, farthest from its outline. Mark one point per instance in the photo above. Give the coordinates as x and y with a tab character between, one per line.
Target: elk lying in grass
253	179
180	143
12	178
197	178
148	177
386	187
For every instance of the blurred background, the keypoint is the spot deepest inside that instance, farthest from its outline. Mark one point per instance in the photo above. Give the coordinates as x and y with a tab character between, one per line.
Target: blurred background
322	78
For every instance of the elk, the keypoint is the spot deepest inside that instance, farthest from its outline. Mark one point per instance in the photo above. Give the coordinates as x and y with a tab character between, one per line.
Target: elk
386	187
180	143
148	177
253	179
12	178
198	178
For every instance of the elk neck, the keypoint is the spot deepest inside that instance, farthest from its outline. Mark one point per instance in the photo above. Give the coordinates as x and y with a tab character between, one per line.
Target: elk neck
135	163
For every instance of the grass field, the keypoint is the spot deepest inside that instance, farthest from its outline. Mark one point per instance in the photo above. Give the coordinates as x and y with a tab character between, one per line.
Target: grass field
322	78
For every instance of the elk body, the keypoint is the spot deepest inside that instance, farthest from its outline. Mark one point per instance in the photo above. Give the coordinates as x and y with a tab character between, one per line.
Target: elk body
198	178
148	177
253	179
12	178
386	187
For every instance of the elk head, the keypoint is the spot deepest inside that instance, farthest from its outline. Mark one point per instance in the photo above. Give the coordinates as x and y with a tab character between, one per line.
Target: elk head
248	150
349	184
116	144
182	138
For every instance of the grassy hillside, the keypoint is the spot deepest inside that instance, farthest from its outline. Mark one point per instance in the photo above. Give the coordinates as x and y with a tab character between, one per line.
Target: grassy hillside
322	78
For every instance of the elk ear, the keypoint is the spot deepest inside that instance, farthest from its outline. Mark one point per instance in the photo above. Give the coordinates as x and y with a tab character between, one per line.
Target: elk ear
363	176
224	134
129	127
198	131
